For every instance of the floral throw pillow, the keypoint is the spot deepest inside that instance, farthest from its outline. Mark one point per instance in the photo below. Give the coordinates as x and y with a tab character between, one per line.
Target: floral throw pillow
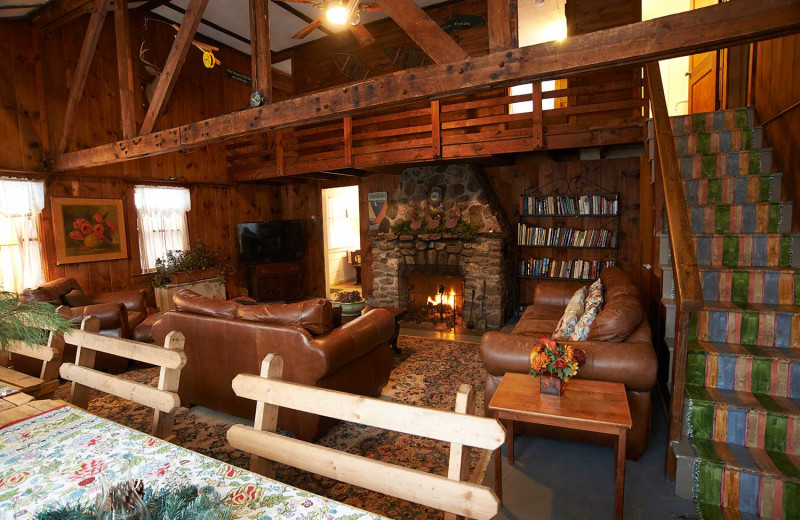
575	308
594	302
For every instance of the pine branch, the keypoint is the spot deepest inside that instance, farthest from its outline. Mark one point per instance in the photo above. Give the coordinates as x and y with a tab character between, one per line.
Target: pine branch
28	322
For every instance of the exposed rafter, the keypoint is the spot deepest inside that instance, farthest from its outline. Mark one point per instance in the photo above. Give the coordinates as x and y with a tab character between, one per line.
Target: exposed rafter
503	32
423	30
709	28
260	56
127	101
174	63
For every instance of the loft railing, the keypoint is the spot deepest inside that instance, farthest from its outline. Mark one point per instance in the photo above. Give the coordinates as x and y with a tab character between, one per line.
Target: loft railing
688	292
590	111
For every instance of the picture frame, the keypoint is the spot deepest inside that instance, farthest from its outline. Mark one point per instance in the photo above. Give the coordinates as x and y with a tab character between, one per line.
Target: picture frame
89	230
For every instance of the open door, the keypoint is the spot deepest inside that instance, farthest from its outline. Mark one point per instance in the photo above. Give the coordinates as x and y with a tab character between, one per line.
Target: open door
703	74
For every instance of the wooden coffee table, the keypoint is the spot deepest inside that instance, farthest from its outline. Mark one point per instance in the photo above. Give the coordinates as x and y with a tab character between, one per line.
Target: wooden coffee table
593	406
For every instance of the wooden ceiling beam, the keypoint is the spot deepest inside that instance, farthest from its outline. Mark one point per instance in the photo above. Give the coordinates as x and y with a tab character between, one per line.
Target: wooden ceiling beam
78	84
705	29
122	31
423	30
503	31
260	56
172	67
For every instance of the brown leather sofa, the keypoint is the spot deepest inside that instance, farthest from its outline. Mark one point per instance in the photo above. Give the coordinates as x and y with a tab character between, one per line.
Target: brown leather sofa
119	312
225	338
619	349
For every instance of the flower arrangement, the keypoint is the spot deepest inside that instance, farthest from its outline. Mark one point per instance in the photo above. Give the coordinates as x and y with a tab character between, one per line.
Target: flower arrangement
348	297
351	302
93	233
548	358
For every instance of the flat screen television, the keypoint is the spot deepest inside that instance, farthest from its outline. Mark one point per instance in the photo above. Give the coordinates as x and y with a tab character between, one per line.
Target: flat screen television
280	241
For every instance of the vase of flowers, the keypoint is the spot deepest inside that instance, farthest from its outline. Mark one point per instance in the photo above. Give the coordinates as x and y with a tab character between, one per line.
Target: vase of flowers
555	364
351	302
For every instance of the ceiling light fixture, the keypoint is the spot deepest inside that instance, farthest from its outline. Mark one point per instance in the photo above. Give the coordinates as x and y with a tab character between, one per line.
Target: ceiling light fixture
538	3
336	11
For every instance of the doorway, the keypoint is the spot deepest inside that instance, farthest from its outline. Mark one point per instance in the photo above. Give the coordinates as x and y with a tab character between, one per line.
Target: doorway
342	235
703	74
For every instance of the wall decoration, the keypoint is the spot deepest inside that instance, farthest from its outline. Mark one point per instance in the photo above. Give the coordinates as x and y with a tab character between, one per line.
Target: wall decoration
377	209
406	56
240	77
89	230
351	66
463	21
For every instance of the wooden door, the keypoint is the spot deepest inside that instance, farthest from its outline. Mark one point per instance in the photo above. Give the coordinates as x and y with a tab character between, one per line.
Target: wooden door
703	74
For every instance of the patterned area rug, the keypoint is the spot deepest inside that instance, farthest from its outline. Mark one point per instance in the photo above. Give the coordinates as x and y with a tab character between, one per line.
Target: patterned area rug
427	373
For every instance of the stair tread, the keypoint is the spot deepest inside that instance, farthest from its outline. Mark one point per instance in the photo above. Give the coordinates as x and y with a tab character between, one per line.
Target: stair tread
739	350
716	204
769	149
784	270
792	234
776	465
716	512
763	403
762	308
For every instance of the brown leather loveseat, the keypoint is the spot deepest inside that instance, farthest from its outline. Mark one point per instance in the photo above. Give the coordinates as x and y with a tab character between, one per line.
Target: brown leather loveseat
225	338
619	349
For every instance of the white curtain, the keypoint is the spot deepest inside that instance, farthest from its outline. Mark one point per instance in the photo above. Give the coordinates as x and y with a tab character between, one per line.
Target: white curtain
21	202
162	222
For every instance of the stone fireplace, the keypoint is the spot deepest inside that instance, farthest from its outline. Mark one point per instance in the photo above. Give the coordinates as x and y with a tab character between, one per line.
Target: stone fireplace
444	238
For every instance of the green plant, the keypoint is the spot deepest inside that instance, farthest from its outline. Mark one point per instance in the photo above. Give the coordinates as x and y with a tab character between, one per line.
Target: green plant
348	297
463	228
28	322
197	258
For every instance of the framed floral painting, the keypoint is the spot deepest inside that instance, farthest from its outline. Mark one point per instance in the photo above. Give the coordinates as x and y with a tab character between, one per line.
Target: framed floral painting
89	230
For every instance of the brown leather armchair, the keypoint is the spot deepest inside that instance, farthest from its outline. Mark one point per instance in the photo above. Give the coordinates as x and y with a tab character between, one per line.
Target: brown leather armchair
619	349
119	313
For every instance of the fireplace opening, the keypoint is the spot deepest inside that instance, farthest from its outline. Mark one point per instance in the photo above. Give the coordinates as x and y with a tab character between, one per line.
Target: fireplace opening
434	293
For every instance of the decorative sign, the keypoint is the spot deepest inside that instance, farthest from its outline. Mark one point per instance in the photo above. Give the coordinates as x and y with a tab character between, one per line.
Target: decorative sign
377	209
238	76
462	21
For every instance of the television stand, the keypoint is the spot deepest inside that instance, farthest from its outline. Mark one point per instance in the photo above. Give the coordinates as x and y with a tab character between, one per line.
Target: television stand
275	281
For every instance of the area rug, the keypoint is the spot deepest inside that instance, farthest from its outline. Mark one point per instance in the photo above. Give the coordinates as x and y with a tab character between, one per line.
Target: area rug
427	373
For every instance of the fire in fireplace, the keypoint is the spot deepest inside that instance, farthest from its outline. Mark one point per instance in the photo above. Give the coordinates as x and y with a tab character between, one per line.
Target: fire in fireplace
435	294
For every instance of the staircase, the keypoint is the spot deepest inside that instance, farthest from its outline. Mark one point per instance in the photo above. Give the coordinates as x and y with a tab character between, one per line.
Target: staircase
739	453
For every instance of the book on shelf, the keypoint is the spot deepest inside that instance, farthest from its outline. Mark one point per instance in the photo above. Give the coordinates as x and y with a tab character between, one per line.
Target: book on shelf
575	205
550	268
565	237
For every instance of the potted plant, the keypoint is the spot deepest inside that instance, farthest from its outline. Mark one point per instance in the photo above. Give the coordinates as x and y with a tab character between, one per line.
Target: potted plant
351	302
28	322
198	263
555	364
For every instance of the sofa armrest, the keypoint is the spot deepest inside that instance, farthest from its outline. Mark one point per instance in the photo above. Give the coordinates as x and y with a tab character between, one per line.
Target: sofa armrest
555	293
134	300
111	315
634	364
354	339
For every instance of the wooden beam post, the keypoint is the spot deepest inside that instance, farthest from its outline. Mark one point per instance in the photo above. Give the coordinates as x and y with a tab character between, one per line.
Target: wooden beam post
680	34
423	30
168	380
537	125
78	84
125	69
261	58
458	467
503	25
348	141
84	357
266	419
436	128
174	63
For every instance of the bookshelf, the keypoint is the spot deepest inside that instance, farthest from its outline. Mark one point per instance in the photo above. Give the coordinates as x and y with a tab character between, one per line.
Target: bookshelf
566	236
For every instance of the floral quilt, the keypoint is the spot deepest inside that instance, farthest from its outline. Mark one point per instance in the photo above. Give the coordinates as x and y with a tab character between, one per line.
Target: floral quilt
56	457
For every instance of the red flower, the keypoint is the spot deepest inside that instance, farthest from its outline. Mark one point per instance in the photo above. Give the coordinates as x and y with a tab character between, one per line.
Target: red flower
76	224
98	218
580	356
111	225
86	228
76	235
560	363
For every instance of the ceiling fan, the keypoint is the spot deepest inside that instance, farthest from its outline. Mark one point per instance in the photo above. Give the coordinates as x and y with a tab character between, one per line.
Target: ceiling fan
340	12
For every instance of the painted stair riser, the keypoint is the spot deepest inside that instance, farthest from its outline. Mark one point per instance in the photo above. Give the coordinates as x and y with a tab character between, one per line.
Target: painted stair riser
778	329
757	375
741	218
723	165
713	121
742	286
733	190
719	142
763	250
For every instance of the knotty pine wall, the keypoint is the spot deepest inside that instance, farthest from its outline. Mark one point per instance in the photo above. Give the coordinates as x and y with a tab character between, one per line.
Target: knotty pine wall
776	87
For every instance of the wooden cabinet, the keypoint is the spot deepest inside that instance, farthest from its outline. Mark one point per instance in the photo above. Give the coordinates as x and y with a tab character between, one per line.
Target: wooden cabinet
275	282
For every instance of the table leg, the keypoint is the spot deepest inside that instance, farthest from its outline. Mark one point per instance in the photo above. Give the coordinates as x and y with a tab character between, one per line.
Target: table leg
619	470
510	441
395	336
498	474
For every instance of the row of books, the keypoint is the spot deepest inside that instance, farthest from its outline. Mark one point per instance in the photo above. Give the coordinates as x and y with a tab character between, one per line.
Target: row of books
565	205
550	268
565	237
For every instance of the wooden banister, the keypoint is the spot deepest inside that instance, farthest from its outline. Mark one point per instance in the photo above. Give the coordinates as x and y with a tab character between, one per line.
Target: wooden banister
688	291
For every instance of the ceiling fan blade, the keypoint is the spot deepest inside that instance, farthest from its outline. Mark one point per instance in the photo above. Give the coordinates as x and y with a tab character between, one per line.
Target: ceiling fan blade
362	35
310	2
369	6
308	29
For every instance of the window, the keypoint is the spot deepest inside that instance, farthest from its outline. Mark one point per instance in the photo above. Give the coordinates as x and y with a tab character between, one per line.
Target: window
161	219
21	202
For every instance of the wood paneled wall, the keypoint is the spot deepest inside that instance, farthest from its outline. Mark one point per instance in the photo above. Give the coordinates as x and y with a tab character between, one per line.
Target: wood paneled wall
776	87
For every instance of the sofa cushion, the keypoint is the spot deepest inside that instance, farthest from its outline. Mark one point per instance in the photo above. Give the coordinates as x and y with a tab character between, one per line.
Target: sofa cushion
616	282
571	315
619	317
187	300
594	302
314	315
76	298
49	292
